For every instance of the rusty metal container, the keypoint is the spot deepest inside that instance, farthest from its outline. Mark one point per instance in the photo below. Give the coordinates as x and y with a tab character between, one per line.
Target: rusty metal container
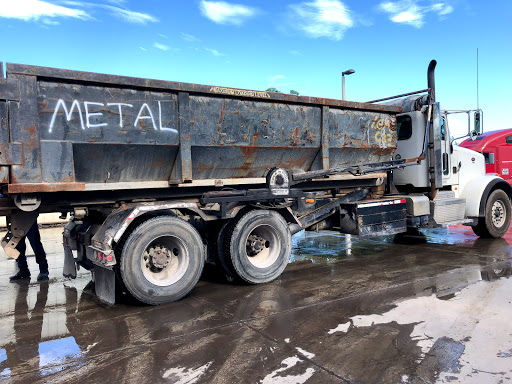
64	130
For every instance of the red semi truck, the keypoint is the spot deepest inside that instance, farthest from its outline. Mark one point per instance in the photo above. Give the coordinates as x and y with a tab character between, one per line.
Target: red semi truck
496	146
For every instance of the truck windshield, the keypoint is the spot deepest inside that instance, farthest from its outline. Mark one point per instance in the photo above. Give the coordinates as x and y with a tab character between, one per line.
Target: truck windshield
404	127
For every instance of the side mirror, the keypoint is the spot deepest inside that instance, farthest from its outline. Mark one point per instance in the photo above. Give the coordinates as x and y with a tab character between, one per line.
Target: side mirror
478	122
473	135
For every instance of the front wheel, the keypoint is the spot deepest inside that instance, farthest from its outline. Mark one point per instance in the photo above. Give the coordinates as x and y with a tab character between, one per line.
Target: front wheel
162	260
496	221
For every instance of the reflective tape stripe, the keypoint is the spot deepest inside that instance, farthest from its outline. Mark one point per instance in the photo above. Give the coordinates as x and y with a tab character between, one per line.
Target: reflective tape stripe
381	203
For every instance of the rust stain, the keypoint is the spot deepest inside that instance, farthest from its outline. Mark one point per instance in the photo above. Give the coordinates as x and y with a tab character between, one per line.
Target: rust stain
43	104
221	115
245	169
295	137
248	150
255	138
158	164
46	187
221	119
392	123
4	175
296	163
383	151
202	167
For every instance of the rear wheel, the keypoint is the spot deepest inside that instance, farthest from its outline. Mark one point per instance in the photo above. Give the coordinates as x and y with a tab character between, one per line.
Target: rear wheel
162	260
223	253
496	221
258	246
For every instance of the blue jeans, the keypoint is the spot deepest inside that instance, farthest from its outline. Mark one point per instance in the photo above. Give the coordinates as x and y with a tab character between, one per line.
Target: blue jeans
35	242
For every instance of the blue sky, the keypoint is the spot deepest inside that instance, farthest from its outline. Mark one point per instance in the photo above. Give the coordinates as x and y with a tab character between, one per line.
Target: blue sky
286	44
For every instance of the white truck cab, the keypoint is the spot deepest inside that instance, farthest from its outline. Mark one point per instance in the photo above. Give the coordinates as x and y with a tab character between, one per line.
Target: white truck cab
449	184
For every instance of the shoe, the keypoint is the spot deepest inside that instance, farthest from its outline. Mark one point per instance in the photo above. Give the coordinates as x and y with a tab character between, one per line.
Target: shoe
43	276
21	275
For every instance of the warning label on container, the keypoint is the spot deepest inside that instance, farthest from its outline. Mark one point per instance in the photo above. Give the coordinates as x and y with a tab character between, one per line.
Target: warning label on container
239	92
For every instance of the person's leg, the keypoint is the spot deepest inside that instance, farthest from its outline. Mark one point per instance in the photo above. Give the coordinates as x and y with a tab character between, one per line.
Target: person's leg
23	272
22	258
34	237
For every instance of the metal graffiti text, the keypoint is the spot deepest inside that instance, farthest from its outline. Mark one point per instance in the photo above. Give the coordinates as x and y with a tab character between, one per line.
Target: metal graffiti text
384	139
144	113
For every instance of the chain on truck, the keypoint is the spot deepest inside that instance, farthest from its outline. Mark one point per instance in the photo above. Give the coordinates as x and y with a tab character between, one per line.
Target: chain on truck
159	177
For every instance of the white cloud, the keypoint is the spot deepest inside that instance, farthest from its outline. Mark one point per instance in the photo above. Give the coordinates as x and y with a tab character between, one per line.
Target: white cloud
214	52
322	18
143	49
445	10
294	52
276	82
33	10
189	38
49	21
411	12
222	12
160	46
131	16
273	79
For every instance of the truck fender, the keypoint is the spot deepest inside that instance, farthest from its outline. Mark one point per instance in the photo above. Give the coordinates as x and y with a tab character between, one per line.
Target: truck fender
478	190
116	224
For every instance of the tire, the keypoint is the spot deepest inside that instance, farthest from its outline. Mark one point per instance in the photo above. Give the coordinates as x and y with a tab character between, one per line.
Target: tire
259	246
224	257
496	221
162	260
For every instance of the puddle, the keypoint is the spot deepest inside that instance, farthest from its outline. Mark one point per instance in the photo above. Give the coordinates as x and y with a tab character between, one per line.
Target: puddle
442	329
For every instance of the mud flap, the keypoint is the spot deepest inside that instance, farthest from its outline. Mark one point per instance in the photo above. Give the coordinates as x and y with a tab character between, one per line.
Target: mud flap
69	269
105	284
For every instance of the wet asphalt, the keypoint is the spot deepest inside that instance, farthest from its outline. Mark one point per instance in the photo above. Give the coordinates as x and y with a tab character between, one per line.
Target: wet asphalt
436	308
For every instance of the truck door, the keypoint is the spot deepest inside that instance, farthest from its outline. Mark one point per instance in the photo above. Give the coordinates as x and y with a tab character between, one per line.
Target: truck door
411	133
446	151
504	160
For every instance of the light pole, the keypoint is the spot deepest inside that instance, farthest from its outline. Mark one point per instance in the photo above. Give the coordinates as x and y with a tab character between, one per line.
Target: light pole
347	72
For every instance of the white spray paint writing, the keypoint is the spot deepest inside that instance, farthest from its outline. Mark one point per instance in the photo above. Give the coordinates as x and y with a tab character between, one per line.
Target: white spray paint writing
89	114
145	113
69	115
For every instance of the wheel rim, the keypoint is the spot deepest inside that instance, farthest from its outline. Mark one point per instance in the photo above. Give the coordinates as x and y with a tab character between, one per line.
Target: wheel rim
498	213
165	260
263	246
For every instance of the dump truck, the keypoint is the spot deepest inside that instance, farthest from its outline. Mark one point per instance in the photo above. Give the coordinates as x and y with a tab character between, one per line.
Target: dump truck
159	177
